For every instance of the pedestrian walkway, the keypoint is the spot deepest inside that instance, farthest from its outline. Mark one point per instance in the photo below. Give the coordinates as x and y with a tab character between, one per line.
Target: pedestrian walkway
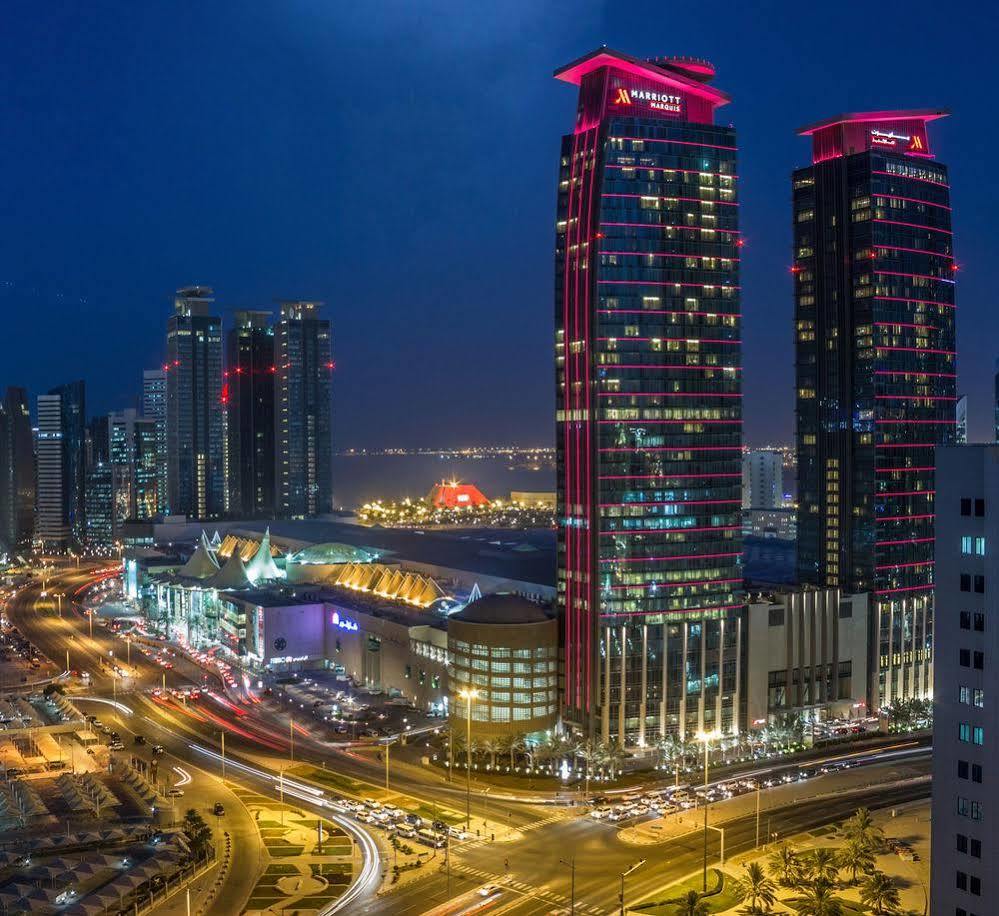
528	890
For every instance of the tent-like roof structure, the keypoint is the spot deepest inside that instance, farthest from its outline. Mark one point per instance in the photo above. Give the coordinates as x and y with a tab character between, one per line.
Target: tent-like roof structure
262	566
202	563
330	555
231	576
390	583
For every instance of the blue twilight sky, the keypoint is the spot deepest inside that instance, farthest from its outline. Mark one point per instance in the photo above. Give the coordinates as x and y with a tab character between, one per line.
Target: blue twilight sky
398	160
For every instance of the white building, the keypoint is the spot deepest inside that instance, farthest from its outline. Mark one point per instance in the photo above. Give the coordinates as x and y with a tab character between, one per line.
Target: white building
51	527
966	639
762	479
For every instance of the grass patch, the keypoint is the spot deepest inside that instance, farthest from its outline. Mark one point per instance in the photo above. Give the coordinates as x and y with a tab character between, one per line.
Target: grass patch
279	868
330	870
431	813
285	851
723	894
316	901
262	903
337	781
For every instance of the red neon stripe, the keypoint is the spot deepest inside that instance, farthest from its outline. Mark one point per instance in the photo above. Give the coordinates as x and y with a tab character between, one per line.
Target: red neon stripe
676	448
926	422
913	200
662	254
668	226
909	588
687	368
898	273
666	312
689	556
663	476
674	422
939	184
705	340
667	168
687	610
690	582
686	200
905	565
674	502
946	305
896	470
905	541
914	397
909	445
677	142
936	254
906	493
907	324
660	531
667	394
895	222
916	350
915	372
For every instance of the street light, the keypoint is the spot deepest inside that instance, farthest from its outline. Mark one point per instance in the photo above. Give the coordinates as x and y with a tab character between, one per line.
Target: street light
624	875
571	865
706	738
468	694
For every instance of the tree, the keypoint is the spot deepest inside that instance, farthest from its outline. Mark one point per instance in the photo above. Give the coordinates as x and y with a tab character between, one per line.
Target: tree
198	833
857	856
818	900
822	865
785	863
692	905
861	827
880	894
492	747
758	891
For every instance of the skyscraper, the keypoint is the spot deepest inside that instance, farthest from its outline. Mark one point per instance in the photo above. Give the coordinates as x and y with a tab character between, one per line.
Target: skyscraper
154	408
876	369
248	395
966	671
762	479
303	411
61	466
17	470
961	420
194	427
649	416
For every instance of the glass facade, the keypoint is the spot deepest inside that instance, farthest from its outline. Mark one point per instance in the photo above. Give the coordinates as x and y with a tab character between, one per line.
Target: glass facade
648	358
876	376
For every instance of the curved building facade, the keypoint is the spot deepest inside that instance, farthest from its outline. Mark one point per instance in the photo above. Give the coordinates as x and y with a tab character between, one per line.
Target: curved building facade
505	649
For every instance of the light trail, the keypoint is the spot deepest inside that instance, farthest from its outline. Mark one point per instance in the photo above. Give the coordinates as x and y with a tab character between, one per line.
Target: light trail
185	777
120	707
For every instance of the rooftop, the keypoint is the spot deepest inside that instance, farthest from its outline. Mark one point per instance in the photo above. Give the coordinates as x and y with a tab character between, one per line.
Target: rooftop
502	609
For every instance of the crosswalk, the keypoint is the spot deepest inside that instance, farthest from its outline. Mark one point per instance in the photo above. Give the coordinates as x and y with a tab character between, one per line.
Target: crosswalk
528	890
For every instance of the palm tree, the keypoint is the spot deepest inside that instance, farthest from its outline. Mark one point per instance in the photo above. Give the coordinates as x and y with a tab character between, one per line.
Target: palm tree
858	857
785	863
491	746
692	905
758	891
880	894
861	827
516	746
823	866
818	900
615	754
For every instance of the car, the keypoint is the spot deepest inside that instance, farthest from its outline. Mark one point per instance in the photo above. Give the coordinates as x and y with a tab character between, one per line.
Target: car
157	749
406	832
116	746
487	890
176	793
219	809
598	814
139	739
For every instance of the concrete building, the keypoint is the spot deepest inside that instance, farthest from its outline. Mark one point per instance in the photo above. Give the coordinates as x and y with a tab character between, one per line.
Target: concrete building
503	650
762	479
965	671
807	654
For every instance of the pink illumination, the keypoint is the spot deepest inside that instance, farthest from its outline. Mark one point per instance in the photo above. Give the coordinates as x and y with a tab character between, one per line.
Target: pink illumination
946	305
630	422
686	610
906	493
689	556
667	394
697	340
676	502
895	222
903	518
939	184
908	445
905	541
916	350
925	422
668	283
679	143
667	168
908	588
935	254
667	312
676	448
688	200
904	565
684	368
661	254
914	397
651	532
915	372
903	470
667	226
897	273
671	585
665	476
906	324
912	200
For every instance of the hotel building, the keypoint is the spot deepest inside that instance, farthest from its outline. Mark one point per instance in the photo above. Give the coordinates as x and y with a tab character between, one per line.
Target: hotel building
649	416
873	274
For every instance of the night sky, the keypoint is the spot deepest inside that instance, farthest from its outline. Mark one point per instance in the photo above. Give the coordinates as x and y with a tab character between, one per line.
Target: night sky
398	160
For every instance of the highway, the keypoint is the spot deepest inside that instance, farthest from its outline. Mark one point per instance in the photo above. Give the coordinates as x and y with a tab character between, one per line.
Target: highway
530	871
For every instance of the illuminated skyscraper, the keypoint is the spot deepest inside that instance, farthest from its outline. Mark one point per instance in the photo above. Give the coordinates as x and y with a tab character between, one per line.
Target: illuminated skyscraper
61	467
17	470
876	370
154	408
303	411
649	403
248	394
194	427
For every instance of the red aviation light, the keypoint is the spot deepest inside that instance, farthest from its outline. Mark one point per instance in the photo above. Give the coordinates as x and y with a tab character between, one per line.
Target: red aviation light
331	365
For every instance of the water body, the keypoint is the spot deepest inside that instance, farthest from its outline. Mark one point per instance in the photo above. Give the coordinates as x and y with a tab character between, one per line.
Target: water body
358	479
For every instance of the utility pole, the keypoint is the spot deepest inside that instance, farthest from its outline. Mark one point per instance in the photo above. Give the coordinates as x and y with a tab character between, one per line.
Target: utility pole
571	865
624	875
757	813
223	754
291	738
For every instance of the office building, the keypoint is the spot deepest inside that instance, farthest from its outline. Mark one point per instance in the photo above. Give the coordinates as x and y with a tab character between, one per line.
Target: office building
194	426
303	411
248	396
154	408
61	467
964	840
649	416
17	470
762	479
132	452
961	420
102	487
876	368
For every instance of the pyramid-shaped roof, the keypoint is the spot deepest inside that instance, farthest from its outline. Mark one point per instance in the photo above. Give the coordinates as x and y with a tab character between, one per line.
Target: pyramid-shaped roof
202	564
232	575
262	566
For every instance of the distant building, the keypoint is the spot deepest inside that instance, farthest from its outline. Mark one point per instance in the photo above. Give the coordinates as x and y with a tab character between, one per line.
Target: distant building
17	470
194	427
101	489
453	495
762	479
154	408
807	655
961	420
769	523
248	396
965	671
303	411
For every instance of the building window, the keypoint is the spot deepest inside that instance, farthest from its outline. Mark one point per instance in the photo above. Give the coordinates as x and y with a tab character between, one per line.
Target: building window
963	731
962	769
962	843
965	657
979	622
964	620
978	697
980	584
979	660
964	695
978	735
965	584
966	506
980	547
962	881
976	772
776	617
976	848
979	508
977	813
966	545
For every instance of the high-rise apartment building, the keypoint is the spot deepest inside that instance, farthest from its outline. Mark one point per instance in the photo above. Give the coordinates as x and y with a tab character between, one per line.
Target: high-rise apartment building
154	408
961	420
303	411
762	479
649	415
876	369
61	467
17	470
965	833
194	425
248	395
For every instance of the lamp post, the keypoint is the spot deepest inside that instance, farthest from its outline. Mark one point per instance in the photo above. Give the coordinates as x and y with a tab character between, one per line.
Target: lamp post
468	694
571	865
624	875
706	738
